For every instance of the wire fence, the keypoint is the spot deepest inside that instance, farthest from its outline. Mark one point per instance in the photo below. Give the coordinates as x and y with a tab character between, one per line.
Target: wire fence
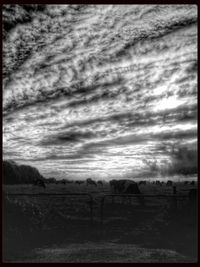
85	205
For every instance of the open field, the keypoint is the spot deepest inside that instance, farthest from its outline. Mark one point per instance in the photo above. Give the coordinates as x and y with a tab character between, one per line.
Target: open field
49	227
149	188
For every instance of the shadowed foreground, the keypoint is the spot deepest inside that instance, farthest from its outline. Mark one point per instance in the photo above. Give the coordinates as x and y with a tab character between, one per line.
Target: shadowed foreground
104	252
130	233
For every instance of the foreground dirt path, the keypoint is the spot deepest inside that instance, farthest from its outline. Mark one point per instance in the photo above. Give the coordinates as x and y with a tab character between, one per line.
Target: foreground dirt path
103	252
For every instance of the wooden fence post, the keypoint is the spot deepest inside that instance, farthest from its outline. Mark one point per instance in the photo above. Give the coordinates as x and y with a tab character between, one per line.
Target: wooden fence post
174	199
91	211
102	213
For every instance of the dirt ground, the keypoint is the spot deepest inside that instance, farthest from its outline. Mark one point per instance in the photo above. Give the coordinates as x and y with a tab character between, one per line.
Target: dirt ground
104	252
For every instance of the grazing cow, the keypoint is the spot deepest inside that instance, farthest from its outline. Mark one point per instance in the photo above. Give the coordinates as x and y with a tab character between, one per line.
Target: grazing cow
40	183
118	186
89	181
158	183
192	183
142	182
124	186
112	183
79	182
169	183
63	182
100	183
69	182
132	188
186	182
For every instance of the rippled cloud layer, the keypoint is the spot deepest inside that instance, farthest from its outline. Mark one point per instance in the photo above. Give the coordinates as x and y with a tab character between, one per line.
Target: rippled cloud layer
101	91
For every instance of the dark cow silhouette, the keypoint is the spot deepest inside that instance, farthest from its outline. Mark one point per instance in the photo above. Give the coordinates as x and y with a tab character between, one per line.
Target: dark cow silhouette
118	186
192	183
69	182
142	182
124	186
186	182
112	183
100	182
169	183
89	181
158	182
40	183
132	189
79	182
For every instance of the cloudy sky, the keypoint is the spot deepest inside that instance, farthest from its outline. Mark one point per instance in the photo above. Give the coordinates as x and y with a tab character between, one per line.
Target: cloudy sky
99	91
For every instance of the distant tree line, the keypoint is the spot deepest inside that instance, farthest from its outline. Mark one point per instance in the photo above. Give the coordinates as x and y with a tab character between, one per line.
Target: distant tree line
25	174
19	174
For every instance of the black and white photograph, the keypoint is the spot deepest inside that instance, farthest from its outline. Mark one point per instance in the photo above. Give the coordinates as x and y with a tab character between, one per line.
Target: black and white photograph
99	133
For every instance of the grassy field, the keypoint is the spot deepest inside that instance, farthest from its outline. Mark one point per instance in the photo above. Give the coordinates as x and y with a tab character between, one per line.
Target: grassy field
48	228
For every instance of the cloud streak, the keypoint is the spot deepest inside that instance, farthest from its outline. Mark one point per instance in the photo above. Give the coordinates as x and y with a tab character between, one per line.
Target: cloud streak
97	89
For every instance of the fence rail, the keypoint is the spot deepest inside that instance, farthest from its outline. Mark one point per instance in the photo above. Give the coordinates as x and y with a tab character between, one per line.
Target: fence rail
174	196
59	195
91	202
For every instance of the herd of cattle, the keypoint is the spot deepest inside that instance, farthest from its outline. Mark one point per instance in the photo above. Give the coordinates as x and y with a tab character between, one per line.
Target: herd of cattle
117	186
89	181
